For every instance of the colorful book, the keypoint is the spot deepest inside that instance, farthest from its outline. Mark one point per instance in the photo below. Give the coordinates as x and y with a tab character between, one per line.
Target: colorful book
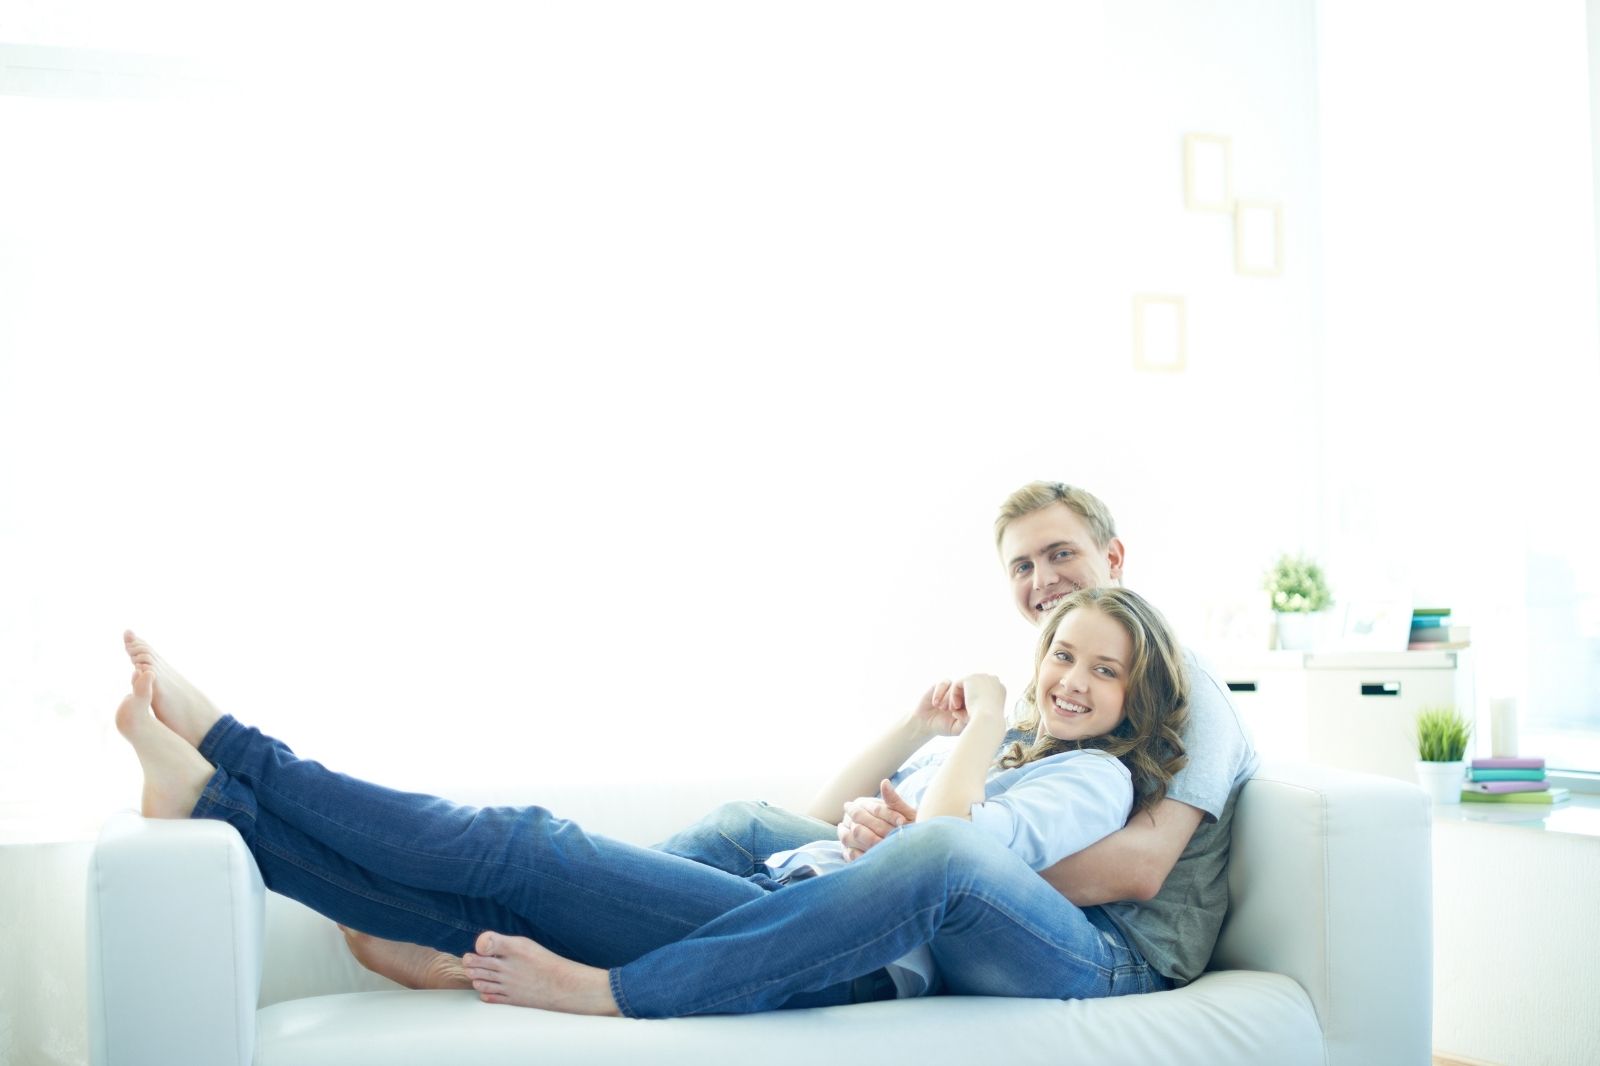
1429	621
1438	645
1429	612
1508	762
1505	775
1441	633
1549	795
1505	786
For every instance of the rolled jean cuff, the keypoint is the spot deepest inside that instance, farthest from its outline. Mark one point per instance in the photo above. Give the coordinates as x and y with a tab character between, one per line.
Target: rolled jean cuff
225	800
220	729
615	979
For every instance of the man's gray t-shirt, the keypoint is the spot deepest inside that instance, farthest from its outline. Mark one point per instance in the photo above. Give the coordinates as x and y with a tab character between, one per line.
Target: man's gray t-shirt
1176	930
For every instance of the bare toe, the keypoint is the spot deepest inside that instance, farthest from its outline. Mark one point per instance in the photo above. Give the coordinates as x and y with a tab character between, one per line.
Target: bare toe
516	970
184	708
174	773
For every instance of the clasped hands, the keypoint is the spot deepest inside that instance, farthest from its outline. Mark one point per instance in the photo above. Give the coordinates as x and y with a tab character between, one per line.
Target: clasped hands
944	710
868	819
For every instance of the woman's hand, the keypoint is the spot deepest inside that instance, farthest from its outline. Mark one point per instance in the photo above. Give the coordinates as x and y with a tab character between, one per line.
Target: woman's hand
942	711
869	819
959	782
982	696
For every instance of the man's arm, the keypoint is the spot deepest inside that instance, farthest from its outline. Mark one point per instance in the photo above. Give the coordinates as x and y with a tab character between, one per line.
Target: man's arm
1131	863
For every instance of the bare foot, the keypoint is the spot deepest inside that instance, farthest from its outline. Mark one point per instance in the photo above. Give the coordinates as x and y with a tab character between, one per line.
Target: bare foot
184	708
411	965
513	969
174	773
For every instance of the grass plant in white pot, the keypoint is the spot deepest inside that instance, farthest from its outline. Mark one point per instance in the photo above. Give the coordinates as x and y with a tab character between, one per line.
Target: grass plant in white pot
1441	752
1300	597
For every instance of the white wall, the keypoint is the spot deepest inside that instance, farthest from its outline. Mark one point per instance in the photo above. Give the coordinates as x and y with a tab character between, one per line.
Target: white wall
1218	470
1460	367
530	393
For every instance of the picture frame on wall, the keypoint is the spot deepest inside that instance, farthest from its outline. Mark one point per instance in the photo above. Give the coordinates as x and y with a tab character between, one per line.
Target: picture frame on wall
1258	238
1160	342
1207	172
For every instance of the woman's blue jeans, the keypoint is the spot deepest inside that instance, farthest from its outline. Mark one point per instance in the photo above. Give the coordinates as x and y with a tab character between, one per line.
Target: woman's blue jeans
679	937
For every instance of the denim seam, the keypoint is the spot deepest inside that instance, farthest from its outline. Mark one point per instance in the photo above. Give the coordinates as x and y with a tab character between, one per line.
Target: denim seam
621	998
749	856
212	798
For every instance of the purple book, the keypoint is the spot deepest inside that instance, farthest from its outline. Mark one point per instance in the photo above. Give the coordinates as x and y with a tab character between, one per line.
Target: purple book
1508	763
1506	786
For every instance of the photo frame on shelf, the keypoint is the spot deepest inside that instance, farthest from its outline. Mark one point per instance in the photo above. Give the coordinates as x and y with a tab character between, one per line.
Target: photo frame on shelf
1376	625
1159	333
1207	172
1258	238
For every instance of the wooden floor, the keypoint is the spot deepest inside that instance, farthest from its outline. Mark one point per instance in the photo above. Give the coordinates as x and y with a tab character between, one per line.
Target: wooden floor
1455	1060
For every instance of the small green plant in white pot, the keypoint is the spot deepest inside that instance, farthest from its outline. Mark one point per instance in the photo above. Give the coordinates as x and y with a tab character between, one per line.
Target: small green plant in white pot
1441	752
1299	595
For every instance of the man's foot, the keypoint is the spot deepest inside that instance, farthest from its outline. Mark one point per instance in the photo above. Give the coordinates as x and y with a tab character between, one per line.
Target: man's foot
513	969
410	965
174	773
184	708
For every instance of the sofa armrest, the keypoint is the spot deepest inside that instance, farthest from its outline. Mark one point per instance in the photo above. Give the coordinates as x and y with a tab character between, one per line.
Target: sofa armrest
175	944
1330	883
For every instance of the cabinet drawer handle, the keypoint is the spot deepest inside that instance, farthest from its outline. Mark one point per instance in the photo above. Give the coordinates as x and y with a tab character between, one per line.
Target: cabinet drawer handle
1380	688
1241	686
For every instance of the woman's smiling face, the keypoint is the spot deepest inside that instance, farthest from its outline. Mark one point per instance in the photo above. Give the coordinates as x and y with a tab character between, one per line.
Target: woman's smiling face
1083	677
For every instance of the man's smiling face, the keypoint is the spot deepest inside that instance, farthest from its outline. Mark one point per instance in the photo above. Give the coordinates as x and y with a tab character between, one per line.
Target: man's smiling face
1050	553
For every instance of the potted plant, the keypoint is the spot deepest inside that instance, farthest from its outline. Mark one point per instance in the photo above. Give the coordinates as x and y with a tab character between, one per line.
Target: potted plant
1441	752
1299	593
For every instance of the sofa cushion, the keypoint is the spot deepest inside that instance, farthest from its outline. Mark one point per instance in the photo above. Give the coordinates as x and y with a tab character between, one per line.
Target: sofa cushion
1237	1017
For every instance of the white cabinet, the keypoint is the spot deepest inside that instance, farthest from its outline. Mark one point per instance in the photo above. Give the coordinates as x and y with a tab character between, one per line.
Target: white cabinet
1352	710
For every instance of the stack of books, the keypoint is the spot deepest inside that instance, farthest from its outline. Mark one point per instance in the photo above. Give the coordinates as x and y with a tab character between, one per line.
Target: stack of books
1432	630
1509	780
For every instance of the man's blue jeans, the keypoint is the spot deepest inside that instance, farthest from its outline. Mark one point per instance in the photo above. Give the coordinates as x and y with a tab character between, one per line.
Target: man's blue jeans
679	937
739	837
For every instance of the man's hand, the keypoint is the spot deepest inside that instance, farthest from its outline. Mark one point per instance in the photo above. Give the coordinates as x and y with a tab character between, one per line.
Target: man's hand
869	819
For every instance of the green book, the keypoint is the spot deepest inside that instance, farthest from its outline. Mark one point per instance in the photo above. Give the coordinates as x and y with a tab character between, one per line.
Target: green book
1505	775
1550	795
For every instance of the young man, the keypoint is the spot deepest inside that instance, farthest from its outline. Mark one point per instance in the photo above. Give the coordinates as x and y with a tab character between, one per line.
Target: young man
1161	880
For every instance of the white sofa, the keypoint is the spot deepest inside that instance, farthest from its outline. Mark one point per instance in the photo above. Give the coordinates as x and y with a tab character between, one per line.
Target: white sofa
1325	959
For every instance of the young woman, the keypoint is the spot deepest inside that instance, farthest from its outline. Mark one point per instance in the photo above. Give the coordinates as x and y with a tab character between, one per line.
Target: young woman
589	925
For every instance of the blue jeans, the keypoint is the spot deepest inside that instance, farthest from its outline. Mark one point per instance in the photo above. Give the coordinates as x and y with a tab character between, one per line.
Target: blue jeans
678	937
739	837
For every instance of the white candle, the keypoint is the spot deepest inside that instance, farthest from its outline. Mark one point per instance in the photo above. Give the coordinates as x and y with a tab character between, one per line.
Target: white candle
1503	726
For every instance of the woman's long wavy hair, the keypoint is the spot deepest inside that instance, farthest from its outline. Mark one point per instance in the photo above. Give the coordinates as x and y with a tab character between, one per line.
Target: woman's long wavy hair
1155	706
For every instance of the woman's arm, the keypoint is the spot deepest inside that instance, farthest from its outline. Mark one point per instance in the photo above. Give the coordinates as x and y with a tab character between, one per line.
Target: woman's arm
959	783
934	716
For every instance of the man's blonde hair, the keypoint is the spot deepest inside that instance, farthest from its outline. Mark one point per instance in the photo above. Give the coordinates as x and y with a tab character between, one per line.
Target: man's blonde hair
1037	495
